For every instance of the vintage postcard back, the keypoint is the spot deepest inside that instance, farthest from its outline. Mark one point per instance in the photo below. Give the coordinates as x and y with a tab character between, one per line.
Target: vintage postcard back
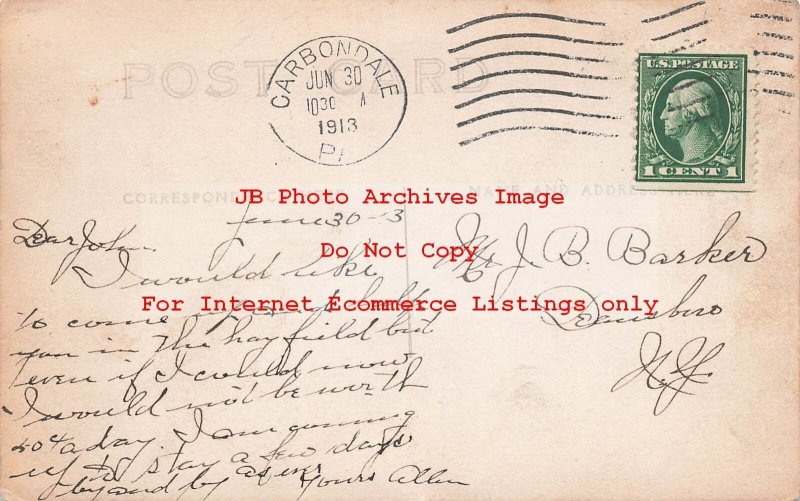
399	250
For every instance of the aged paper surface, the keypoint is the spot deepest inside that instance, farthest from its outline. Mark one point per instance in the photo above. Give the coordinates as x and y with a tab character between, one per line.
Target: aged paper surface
399	250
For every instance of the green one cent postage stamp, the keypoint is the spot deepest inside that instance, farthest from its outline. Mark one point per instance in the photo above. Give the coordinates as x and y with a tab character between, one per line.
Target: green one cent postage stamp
692	118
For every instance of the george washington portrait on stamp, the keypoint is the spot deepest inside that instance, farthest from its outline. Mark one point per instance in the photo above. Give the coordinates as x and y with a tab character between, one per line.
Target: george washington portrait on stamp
691	117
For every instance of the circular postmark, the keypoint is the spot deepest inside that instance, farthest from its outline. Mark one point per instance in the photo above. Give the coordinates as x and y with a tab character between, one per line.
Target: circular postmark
336	100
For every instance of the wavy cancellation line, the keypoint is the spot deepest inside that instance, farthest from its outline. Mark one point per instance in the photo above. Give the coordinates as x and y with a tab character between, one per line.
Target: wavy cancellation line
547	36
554	92
674	12
538	15
503	130
560	111
558	55
680	30
538	71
